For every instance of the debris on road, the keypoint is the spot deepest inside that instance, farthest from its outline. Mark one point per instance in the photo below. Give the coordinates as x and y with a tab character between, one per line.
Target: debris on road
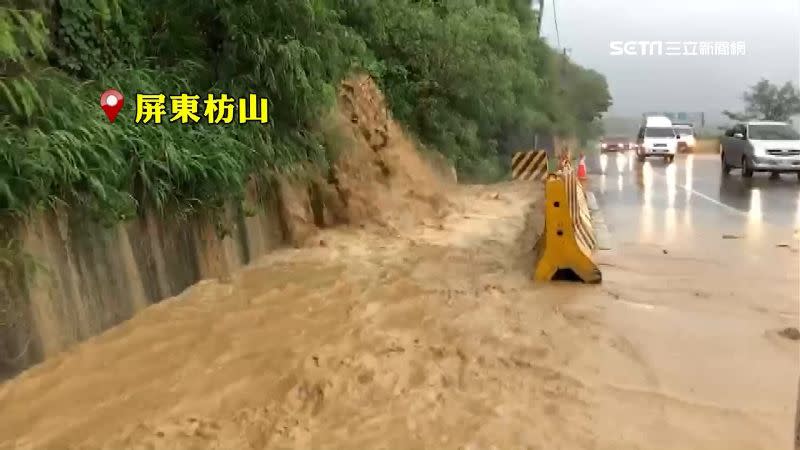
790	333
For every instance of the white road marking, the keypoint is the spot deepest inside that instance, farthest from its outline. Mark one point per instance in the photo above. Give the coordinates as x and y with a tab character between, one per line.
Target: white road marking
715	201
708	198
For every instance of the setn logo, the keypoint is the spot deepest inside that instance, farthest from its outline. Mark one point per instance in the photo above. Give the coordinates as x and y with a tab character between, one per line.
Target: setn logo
677	48
636	48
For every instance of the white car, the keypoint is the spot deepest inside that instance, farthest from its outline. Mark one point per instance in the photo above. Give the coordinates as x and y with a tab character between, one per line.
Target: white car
763	146
686	140
657	137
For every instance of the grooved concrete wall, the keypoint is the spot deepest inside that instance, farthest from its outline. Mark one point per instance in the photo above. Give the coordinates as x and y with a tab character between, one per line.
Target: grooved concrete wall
92	277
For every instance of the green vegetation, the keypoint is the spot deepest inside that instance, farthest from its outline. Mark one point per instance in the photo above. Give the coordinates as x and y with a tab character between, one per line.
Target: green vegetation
767	101
461	75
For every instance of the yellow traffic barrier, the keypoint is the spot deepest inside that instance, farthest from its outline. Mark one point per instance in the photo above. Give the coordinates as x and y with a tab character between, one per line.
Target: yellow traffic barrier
568	239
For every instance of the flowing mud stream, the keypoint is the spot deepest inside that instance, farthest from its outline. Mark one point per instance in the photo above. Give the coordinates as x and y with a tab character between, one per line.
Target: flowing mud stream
432	337
369	340
420	328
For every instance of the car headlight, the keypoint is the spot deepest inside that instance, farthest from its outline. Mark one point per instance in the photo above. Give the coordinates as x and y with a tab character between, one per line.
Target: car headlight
759	151
603	145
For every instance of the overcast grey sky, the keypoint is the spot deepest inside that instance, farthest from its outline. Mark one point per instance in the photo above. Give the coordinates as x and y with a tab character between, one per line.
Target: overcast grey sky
769	28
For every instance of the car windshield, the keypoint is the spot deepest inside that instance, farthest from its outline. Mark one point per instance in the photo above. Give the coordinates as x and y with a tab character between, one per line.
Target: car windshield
615	140
684	131
773	132
659	132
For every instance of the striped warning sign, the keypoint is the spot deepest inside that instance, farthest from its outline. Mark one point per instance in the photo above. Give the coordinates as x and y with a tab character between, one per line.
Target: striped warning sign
530	165
581	219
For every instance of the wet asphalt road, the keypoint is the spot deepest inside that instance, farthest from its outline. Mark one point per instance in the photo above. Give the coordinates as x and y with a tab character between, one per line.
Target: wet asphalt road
660	201
745	230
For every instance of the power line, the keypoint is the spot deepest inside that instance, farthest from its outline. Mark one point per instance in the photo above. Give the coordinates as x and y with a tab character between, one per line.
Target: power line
555	21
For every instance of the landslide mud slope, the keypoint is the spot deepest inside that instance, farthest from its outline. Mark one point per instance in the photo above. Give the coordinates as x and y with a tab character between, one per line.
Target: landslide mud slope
400	329
413	339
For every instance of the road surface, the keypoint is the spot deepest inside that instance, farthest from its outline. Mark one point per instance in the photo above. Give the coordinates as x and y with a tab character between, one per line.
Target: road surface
695	183
735	240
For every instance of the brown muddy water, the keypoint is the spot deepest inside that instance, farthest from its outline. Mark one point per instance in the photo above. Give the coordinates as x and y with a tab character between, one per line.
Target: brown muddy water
416	326
425	337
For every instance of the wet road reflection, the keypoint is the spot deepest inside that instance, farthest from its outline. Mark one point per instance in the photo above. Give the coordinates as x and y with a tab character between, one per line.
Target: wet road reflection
668	199
672	184
755	215
797	214
621	163
687	185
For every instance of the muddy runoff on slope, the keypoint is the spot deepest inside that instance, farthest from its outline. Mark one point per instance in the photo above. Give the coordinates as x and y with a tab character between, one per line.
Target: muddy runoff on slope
428	338
401	328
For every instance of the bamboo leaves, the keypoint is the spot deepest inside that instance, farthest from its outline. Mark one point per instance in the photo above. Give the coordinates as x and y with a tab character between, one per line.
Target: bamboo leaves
460	74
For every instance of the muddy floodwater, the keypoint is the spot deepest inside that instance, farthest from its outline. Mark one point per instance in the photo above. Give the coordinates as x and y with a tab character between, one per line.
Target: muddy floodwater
411	322
430	336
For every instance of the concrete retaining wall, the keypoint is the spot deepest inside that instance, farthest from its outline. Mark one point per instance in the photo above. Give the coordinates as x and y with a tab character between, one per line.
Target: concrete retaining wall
68	278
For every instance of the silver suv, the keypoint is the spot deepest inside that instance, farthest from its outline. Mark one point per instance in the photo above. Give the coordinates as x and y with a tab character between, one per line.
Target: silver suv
761	147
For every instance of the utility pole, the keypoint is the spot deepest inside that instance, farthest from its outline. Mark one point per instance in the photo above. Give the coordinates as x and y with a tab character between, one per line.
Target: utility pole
539	17
564	59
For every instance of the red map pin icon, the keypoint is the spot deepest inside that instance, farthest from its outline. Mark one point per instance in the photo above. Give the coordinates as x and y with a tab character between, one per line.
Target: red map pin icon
111	101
